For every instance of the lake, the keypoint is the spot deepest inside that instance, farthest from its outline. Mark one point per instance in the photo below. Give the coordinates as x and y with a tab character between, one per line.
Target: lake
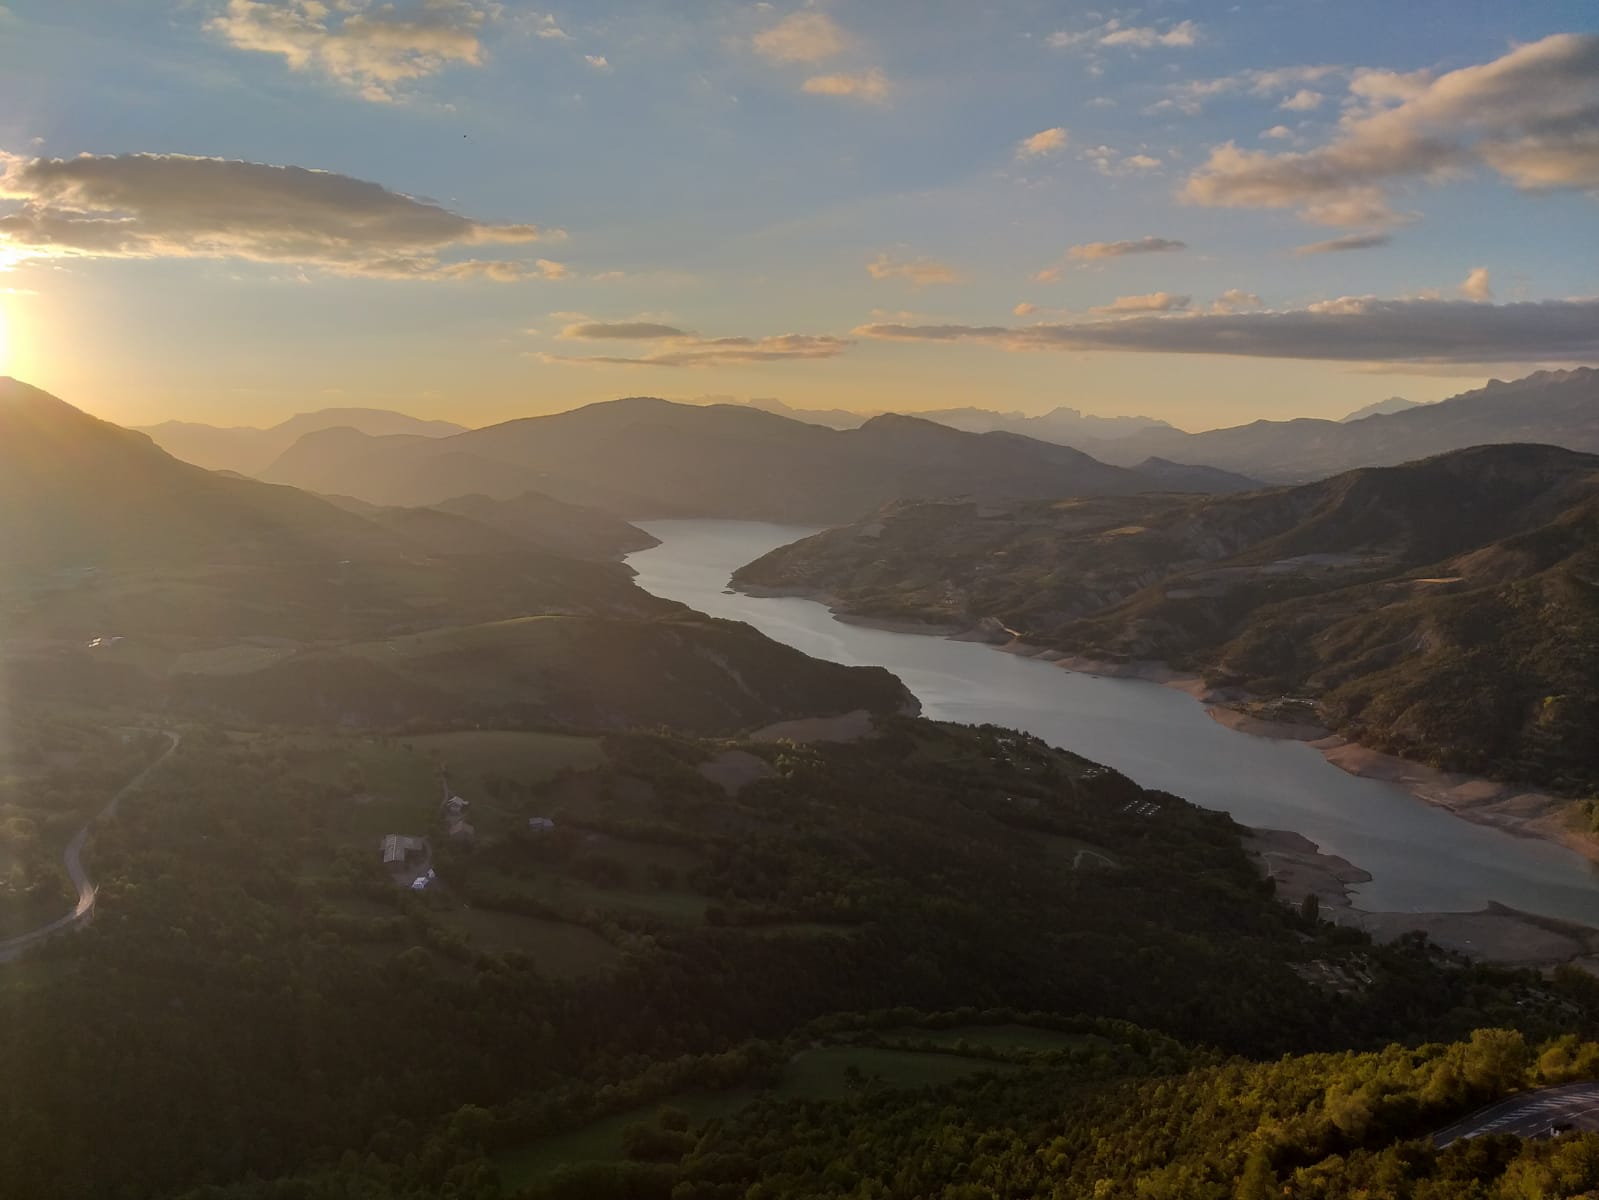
1422	858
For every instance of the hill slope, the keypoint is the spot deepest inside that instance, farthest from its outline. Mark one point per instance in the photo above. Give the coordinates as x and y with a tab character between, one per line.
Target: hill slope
652	458
127	574
247	450
1445	610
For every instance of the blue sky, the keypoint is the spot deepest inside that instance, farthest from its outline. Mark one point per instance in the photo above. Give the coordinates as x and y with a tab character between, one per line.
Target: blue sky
884	205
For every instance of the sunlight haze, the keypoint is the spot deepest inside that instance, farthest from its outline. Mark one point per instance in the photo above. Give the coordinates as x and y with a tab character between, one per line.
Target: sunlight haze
872	206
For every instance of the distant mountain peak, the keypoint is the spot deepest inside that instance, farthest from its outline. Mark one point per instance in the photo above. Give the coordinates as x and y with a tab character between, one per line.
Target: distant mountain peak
1382	408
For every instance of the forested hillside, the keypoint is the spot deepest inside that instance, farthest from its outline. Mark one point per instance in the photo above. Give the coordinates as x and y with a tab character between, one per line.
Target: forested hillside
1444	610
663	914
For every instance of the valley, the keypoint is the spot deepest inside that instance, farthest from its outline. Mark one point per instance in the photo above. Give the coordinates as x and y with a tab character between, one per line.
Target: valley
1422	858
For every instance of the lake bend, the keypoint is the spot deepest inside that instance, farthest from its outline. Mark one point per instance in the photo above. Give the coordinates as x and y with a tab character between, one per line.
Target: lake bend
1422	858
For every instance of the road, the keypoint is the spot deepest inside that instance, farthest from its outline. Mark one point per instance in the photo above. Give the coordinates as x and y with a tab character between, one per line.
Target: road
1530	1114
73	861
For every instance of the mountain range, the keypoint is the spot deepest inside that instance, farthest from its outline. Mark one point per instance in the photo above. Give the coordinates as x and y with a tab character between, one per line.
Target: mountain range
1559	408
1445	610
249	450
645	457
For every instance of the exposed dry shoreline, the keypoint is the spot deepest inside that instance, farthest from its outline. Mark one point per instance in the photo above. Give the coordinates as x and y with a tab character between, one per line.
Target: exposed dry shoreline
1495	934
1514	808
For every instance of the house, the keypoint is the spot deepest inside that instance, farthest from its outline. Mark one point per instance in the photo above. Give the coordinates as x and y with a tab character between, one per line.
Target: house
539	824
397	847
455	806
420	883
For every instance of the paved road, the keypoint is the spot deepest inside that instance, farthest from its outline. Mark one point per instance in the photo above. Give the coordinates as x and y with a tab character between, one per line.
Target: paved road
1530	1114
73	861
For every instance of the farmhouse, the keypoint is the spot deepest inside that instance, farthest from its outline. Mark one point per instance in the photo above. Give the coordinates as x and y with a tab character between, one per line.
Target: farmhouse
397	847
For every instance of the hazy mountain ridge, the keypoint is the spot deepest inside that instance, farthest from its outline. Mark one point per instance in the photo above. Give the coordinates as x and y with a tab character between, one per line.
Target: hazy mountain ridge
1558	408
249	450
645	457
1381	408
1443	610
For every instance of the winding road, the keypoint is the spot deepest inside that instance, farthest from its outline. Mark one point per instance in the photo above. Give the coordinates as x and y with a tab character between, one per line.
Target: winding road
1553	1109
73	861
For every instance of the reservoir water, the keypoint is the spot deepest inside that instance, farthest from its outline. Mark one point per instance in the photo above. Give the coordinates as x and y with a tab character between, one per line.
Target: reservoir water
1422	858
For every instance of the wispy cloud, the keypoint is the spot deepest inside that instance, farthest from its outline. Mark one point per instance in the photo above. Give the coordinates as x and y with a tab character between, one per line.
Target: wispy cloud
1234	300
679	348
870	85
919	271
806	36
373	49
1282	83
1149	303
1350	241
1531	115
1114	33
176	206
1045	141
1094	251
1350	329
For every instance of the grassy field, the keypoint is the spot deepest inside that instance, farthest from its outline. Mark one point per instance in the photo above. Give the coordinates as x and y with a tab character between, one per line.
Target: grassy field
601	1141
1004	1039
577	895
559	950
815	1074
473	755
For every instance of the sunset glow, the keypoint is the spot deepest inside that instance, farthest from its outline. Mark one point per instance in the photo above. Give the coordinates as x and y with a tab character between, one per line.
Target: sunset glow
882	206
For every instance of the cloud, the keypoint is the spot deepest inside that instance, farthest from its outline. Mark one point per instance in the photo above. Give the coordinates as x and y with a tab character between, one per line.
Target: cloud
1108	160
176	206
1350	329
598	61
1152	302
623	330
1139	37
684	349
1046	141
920	271
802	37
1531	115
1190	97
1093	251
871	85
1024	309
1304	100
545	26
1234	299
373	49
1277	131
1476	286
1350	241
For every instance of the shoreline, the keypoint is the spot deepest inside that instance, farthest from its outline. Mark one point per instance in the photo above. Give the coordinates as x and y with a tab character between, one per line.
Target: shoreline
1495	934
1517	809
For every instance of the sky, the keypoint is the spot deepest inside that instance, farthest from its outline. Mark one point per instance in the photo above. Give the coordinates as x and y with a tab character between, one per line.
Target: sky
234	210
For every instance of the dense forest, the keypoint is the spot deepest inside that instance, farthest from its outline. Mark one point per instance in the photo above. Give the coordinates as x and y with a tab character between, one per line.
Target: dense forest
259	997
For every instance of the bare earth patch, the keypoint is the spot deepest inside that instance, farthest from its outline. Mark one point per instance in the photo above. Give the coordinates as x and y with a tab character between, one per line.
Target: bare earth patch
850	727
735	770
